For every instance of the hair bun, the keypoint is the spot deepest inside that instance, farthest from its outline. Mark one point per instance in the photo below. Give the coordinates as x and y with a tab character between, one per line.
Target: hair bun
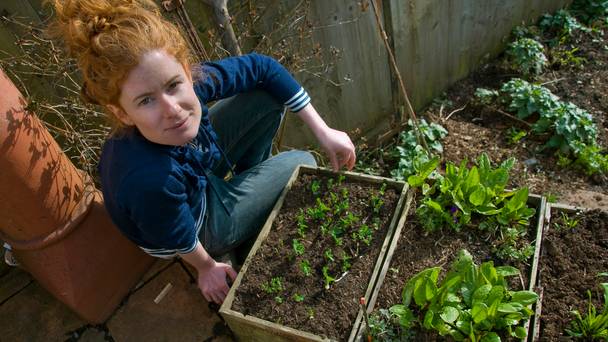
98	24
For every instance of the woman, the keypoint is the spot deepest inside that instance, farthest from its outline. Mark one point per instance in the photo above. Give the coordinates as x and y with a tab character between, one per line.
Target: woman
180	179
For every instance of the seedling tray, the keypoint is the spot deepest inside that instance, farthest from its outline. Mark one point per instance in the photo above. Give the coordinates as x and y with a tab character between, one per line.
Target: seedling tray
250	328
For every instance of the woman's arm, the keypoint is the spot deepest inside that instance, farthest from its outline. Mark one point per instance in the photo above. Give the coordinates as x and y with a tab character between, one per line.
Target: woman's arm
211	274
338	146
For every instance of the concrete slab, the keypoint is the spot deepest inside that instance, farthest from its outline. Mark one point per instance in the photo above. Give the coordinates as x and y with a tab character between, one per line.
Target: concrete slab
34	315
93	335
158	267
181	315
12	282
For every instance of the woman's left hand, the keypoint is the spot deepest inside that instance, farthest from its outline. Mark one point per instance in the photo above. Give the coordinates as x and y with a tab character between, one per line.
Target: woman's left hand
339	148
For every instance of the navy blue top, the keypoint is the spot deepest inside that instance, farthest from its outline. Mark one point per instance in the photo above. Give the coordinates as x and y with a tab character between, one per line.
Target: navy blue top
155	194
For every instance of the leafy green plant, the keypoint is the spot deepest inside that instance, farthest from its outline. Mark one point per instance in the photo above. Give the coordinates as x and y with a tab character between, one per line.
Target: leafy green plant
327	278
572	129
302	226
305	268
275	285
409	152
346	265
589	10
298	297
329	255
527	56
470	303
364	234
315	187
298	247
592	326
562	24
566	58
450	201
515	135
566	222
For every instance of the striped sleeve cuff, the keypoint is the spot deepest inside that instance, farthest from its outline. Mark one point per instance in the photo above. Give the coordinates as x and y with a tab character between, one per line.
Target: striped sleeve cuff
298	101
164	253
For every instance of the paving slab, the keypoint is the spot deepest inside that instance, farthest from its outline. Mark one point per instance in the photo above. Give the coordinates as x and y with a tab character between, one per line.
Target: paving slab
181	315
13	281
34	315
159	266
93	335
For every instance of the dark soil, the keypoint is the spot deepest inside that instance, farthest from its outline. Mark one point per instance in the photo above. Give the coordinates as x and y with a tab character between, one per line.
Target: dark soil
327	312
570	262
418	250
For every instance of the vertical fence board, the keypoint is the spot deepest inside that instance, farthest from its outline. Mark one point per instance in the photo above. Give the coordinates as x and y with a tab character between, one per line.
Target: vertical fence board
364	96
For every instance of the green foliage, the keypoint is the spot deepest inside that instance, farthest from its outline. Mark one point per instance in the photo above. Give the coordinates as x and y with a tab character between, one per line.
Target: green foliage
562	24
567	57
409	152
567	222
305	268
450	201
298	297
592	159
485	96
593	326
275	285
589	10
298	247
470	303
364	234
572	128
327	278
515	135
315	187
527	56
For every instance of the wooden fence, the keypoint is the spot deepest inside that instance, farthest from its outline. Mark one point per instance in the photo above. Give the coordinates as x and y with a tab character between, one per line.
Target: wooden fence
435	42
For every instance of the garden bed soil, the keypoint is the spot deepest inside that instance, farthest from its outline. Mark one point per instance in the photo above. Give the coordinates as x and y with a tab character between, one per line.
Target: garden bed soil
325	312
570	262
418	250
475	129
478	129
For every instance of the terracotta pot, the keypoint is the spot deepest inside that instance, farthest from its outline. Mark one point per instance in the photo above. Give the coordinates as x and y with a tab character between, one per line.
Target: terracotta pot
52	216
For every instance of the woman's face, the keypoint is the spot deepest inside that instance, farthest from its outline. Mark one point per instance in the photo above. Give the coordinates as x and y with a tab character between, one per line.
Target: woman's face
158	98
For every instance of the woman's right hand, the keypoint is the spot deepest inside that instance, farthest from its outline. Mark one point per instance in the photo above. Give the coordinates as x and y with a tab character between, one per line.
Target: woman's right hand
213	281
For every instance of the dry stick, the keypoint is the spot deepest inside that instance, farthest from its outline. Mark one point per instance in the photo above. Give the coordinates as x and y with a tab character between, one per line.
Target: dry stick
509	115
382	32
454	112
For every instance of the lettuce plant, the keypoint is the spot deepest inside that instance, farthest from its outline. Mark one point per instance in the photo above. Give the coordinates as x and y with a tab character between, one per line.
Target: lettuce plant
470	302
451	200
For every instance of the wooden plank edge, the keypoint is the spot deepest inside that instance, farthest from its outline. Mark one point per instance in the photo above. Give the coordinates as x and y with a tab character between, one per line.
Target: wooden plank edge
530	325
377	274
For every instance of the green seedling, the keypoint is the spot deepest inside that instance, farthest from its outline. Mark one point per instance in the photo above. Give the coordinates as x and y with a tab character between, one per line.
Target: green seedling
567	222
364	234
311	313
298	297
593	326
274	286
328	255
336	233
305	267
298	247
327	278
346	265
315	187
515	135
278	299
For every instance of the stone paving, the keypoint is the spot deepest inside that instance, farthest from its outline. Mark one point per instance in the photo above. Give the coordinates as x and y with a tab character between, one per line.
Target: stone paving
30	313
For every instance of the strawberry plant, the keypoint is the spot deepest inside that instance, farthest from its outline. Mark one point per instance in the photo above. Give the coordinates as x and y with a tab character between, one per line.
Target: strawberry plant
409	151
527	56
572	129
561	24
450	201
471	303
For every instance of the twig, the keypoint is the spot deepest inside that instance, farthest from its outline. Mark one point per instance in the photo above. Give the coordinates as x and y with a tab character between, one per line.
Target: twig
553	81
509	115
454	112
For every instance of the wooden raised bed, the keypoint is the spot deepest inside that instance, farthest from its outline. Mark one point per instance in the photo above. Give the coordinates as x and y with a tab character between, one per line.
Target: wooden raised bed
250	328
537	201
575	293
